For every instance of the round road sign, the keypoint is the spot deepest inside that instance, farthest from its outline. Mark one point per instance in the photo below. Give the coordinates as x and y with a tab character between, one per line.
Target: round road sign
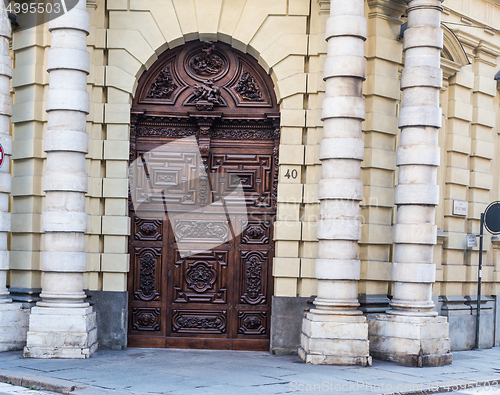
2	157
492	218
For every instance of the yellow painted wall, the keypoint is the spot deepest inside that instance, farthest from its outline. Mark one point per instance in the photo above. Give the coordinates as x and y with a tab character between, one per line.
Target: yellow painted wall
287	39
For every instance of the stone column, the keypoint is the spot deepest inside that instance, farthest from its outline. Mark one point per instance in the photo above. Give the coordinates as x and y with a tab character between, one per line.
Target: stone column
412	333
62	325
336	332
13	319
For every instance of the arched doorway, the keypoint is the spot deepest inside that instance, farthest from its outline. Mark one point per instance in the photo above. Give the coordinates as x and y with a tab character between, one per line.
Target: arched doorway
219	298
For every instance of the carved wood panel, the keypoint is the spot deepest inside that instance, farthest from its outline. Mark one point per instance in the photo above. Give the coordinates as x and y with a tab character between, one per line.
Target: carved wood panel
253	171
196	322
148	264
183	291
201	278
148	229
253	277
146	319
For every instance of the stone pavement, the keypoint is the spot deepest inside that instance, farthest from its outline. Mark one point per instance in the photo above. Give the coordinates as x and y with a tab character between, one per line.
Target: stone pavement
8	389
137	371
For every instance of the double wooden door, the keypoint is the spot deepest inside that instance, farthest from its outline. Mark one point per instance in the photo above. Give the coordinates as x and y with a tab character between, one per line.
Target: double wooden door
205	281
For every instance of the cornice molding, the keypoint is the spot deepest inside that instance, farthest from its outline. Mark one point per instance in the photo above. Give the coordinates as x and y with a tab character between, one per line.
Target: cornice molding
324	6
392	8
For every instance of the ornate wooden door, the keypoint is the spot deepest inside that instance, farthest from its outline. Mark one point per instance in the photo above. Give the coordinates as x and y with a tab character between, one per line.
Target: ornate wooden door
183	291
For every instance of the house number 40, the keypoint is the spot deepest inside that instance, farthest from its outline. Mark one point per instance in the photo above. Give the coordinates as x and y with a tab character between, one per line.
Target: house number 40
293	174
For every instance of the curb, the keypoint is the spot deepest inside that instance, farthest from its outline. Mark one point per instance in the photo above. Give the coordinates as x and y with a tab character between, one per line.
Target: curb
44	383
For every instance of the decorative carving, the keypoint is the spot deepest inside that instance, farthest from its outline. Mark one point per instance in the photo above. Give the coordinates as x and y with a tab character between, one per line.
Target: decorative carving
248	88
256	233
206	96
200	229
208	63
200	276
147	278
163	86
252	323
131	156
199	321
244	134
274	194
162	131
219	133
253	265
146	319
148	229
167	178
203	188
189	281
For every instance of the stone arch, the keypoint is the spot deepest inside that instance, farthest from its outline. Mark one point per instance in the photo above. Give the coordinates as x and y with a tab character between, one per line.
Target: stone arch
137	37
453	49
139	32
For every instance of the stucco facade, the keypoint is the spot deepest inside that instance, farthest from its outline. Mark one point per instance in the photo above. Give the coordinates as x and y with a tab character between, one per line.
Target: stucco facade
287	38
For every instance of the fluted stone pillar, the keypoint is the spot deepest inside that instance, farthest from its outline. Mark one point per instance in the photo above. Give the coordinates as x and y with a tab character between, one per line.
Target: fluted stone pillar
412	333
62	324
13	319
335	331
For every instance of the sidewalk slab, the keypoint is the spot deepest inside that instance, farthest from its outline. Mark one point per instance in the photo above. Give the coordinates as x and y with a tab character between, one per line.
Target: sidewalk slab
138	371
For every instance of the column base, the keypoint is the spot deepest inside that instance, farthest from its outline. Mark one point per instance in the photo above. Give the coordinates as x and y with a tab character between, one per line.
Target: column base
411	341
328	339
61	333
13	326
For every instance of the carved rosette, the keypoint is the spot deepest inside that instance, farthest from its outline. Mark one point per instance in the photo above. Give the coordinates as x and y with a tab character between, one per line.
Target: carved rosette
200	276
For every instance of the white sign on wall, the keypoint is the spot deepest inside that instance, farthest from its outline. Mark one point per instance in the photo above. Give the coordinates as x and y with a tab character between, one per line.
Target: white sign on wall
471	241
460	207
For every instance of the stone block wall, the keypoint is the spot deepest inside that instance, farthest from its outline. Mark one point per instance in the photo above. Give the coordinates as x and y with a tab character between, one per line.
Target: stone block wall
287	38
275	34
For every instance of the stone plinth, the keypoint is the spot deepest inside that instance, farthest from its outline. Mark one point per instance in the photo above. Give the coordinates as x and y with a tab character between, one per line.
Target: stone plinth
335	340
413	341
13	326
61	333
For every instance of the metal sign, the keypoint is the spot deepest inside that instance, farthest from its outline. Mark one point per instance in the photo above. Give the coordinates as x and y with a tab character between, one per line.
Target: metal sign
2	156
471	241
492	218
